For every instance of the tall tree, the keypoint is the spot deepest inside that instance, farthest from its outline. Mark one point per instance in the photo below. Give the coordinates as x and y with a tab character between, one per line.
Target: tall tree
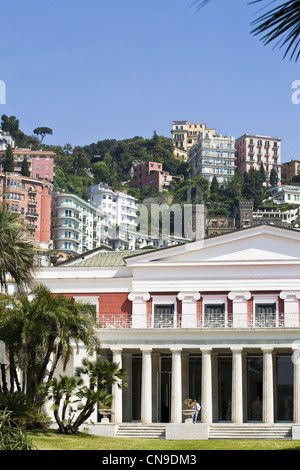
8	163
273	177
25	168
41	132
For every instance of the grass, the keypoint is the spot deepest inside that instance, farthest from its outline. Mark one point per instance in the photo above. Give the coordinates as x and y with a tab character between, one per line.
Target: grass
51	440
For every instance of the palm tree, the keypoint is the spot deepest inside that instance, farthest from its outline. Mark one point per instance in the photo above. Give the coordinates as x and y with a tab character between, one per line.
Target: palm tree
68	390
16	253
41	327
280	24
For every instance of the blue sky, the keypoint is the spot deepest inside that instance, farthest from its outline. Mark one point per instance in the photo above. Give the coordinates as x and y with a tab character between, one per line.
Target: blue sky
115	69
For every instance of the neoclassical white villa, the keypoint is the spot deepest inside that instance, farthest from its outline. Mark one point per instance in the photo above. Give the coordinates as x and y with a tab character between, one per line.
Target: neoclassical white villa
216	319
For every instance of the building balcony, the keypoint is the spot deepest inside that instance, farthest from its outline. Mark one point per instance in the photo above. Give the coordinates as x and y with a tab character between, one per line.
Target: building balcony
68	217
206	321
66	226
33	214
32	202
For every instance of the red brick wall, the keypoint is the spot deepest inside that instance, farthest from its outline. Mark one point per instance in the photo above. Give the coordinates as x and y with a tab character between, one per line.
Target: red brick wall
116	304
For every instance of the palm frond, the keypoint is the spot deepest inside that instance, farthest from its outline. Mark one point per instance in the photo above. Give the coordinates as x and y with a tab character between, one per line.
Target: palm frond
280	24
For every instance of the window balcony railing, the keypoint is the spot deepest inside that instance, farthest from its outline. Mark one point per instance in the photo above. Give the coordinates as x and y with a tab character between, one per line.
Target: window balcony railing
203	320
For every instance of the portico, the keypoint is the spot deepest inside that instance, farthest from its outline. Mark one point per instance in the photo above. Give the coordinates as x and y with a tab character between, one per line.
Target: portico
233	383
217	320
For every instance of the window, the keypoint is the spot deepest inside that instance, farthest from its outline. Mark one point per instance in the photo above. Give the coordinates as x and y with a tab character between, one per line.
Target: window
163	316
214	315
265	315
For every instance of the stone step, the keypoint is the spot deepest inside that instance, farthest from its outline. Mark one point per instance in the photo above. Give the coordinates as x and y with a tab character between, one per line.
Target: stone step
141	431
249	431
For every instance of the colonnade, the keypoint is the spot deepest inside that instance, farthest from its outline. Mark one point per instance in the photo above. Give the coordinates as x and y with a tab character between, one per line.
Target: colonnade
206	384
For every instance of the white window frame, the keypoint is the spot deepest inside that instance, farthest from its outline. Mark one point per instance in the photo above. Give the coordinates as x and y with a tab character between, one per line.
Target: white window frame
164	300
265	299
214	299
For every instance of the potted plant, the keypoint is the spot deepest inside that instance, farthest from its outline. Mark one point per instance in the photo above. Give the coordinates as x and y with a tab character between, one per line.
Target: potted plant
188	409
104	411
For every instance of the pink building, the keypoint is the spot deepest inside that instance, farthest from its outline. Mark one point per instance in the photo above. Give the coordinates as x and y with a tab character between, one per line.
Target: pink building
150	174
31	199
41	162
252	150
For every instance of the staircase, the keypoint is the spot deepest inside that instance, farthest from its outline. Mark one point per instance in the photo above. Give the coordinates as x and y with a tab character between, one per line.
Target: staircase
250	431
145	431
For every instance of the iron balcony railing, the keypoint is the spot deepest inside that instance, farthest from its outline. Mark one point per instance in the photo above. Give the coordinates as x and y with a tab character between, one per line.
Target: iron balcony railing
203	320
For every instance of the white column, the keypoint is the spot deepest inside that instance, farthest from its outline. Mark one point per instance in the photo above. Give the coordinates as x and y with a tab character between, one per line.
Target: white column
189	308
268	386
237	386
206	393
176	402
116	391
139	308
146	398
291	308
239	308
296	362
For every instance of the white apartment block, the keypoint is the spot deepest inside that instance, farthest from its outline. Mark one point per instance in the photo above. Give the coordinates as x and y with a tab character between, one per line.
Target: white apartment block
284	194
120	208
5	140
213	155
185	135
77	227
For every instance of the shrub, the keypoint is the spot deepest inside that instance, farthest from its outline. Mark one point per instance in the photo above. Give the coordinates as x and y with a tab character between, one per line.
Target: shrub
13	436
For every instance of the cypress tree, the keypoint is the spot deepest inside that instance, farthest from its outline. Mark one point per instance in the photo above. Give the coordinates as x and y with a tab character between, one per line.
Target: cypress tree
9	164
25	168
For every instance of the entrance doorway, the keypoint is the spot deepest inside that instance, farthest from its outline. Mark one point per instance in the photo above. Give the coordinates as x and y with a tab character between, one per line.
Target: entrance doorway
164	381
224	388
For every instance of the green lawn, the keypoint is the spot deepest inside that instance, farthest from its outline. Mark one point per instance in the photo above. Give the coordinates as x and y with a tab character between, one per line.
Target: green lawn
51	440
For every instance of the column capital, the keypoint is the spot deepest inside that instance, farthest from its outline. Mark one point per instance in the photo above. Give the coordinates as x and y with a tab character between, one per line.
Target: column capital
206	349
289	295
239	295
146	349
139	296
267	349
188	296
176	349
237	349
116	349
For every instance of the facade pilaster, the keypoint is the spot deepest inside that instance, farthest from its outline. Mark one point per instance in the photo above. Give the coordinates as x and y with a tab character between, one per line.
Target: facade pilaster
146	398
239	307
176	405
189	308
206	398
268	386
291	308
139	308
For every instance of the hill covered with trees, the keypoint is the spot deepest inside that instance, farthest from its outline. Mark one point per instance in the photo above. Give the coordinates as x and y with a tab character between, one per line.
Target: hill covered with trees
109	161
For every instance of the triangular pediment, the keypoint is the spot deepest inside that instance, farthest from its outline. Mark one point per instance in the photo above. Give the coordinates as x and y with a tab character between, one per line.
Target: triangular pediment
260	243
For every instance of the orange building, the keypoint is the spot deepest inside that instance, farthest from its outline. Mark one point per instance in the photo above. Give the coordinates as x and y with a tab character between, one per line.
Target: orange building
31	199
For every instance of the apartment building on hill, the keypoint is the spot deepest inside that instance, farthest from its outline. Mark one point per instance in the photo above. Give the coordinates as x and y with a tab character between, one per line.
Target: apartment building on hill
185	135
40	162
213	155
31	199
254	150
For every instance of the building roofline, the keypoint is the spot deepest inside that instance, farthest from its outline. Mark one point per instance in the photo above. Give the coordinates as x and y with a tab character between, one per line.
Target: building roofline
258	135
